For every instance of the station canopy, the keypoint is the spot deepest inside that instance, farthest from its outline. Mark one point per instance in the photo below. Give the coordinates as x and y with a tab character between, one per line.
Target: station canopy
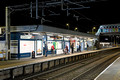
48	30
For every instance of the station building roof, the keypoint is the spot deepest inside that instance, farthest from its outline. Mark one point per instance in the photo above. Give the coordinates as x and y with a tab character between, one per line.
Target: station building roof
50	30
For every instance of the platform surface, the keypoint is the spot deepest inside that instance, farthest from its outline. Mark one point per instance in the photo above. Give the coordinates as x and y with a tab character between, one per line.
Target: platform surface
112	72
21	62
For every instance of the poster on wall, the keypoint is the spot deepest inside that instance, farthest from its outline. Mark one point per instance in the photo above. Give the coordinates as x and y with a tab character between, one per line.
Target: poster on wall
14	46
2	45
49	43
39	47
72	41
85	44
59	45
26	46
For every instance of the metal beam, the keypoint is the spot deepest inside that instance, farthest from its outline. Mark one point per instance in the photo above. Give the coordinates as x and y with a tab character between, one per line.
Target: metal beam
74	3
53	3
78	8
31	10
36	9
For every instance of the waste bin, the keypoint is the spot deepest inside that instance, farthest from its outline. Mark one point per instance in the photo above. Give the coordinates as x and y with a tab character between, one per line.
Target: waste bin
33	54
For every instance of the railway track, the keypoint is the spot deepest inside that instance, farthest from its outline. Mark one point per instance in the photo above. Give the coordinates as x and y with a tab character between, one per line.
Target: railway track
96	70
86	69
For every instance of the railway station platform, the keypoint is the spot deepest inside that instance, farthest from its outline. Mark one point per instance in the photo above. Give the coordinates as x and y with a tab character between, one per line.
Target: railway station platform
27	61
112	72
14	68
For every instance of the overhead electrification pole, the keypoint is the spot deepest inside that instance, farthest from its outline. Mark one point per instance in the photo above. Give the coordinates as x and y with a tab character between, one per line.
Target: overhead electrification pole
36	9
6	42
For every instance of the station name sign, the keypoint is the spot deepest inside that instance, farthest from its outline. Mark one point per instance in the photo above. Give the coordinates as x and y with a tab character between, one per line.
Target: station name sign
26	36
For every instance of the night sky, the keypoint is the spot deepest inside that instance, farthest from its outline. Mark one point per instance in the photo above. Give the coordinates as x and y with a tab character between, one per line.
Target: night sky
99	13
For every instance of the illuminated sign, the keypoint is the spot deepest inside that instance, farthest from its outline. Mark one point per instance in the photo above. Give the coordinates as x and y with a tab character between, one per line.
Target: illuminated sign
39	47
26	36
26	46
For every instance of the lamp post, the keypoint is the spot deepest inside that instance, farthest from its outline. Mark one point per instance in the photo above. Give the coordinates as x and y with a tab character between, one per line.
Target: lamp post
93	30
76	29
68	26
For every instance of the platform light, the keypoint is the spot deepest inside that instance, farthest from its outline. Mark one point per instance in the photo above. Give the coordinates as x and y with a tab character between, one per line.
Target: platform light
35	33
93	30
68	25
76	28
94	27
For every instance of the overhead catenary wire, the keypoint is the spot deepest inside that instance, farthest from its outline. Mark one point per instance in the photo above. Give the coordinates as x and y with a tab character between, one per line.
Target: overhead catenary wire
84	17
48	4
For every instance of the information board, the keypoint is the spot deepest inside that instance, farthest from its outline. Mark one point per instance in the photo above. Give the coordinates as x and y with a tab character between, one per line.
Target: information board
39	47
26	46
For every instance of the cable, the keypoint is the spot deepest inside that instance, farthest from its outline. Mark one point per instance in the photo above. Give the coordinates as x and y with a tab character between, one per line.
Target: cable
85	17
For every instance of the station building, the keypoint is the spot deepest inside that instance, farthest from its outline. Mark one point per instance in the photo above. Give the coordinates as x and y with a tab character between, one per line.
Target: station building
25	39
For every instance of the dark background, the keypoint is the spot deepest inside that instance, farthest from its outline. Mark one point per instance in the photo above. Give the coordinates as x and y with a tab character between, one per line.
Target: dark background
106	39
99	13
